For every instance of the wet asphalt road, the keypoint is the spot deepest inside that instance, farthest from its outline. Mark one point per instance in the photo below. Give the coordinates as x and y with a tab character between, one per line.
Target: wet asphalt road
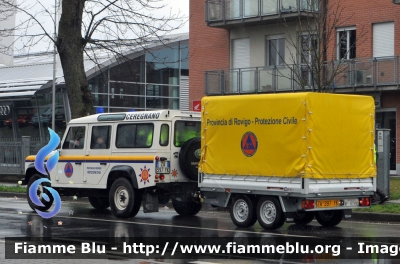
79	219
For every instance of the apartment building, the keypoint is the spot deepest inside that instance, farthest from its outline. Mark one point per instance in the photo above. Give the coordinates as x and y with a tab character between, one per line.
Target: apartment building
266	46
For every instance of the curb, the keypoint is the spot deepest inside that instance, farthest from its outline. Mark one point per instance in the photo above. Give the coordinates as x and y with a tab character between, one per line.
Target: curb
356	216
375	217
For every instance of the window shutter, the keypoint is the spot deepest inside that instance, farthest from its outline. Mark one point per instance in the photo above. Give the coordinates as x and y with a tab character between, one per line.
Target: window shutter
241	53
383	39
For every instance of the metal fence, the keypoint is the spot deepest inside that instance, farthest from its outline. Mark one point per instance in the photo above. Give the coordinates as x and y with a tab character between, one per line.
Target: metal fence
14	151
366	72
222	10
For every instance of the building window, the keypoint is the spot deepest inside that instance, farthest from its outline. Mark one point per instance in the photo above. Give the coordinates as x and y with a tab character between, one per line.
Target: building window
308	52
275	51
346	43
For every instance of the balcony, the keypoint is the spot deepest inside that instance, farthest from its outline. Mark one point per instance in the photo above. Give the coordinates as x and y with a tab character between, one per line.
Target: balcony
361	75
233	13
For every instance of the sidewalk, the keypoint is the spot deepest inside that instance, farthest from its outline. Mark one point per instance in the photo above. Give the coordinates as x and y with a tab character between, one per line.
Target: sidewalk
356	216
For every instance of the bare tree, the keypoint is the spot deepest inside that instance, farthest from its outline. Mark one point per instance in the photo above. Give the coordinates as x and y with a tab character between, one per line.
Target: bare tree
84	28
315	45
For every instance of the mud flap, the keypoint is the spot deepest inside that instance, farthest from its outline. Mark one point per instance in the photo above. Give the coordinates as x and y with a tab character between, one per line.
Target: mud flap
150	202
347	213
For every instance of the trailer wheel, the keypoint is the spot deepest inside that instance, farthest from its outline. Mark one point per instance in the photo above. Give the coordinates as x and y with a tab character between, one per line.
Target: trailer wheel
189	158
40	190
242	211
303	218
269	213
186	208
99	203
329	218
124	200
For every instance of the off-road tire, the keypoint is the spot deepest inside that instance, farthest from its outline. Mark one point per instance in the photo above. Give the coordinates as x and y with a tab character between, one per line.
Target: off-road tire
47	204
269	213
124	200
186	208
303	218
242	211
99	203
189	158
329	218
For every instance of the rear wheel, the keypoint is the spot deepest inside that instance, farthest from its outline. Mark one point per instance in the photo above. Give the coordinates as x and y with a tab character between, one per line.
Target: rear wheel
242	211
39	192
330	217
303	218
269	213
99	202
124	199
186	208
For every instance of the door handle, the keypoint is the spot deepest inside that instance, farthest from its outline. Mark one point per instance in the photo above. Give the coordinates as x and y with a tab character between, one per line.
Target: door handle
103	163
78	163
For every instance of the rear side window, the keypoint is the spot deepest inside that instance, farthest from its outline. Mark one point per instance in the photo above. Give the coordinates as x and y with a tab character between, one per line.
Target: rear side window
185	130
164	135
134	135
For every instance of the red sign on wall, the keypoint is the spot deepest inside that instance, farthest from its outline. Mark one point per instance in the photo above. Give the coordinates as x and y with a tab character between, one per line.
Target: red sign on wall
196	106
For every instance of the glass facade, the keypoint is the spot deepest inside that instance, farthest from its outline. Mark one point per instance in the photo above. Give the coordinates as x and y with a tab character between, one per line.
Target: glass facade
30	117
148	81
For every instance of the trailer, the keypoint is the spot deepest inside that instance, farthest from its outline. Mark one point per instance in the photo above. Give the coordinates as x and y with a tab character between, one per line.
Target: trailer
287	157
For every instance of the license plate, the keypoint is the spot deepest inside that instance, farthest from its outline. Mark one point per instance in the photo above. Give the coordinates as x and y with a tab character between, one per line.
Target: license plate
327	203
163	167
351	202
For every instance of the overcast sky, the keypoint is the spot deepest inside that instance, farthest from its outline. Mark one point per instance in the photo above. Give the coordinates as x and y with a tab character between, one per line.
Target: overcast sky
175	6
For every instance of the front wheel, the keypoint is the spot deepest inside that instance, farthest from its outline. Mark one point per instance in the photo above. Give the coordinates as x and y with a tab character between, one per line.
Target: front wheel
269	213
39	192
99	202
186	208
330	217
124	200
242	211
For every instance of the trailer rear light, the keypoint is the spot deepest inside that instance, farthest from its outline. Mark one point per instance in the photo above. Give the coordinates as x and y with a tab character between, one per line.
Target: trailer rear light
162	177
157	176
157	158
365	201
307	204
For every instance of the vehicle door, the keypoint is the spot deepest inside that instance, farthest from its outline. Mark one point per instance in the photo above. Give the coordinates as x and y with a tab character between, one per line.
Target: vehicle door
163	166
72	156
98	153
183	129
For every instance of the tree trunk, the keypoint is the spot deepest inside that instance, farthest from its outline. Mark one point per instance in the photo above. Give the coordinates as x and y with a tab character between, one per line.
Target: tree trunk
70	46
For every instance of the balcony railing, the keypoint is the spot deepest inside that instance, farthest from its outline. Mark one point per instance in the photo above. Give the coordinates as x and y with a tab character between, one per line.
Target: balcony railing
230	10
369	73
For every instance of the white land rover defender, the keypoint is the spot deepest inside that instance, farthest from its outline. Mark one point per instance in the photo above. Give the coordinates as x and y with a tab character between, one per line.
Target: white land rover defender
124	160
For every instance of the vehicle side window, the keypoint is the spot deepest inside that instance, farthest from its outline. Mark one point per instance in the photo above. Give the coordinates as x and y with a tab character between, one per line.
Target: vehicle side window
75	138
185	130
100	137
164	135
134	136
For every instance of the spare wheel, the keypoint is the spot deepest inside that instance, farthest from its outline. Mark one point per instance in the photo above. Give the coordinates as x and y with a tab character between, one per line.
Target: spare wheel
189	158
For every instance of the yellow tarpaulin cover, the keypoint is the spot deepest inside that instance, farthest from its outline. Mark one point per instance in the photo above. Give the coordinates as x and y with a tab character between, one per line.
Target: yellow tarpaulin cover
311	135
